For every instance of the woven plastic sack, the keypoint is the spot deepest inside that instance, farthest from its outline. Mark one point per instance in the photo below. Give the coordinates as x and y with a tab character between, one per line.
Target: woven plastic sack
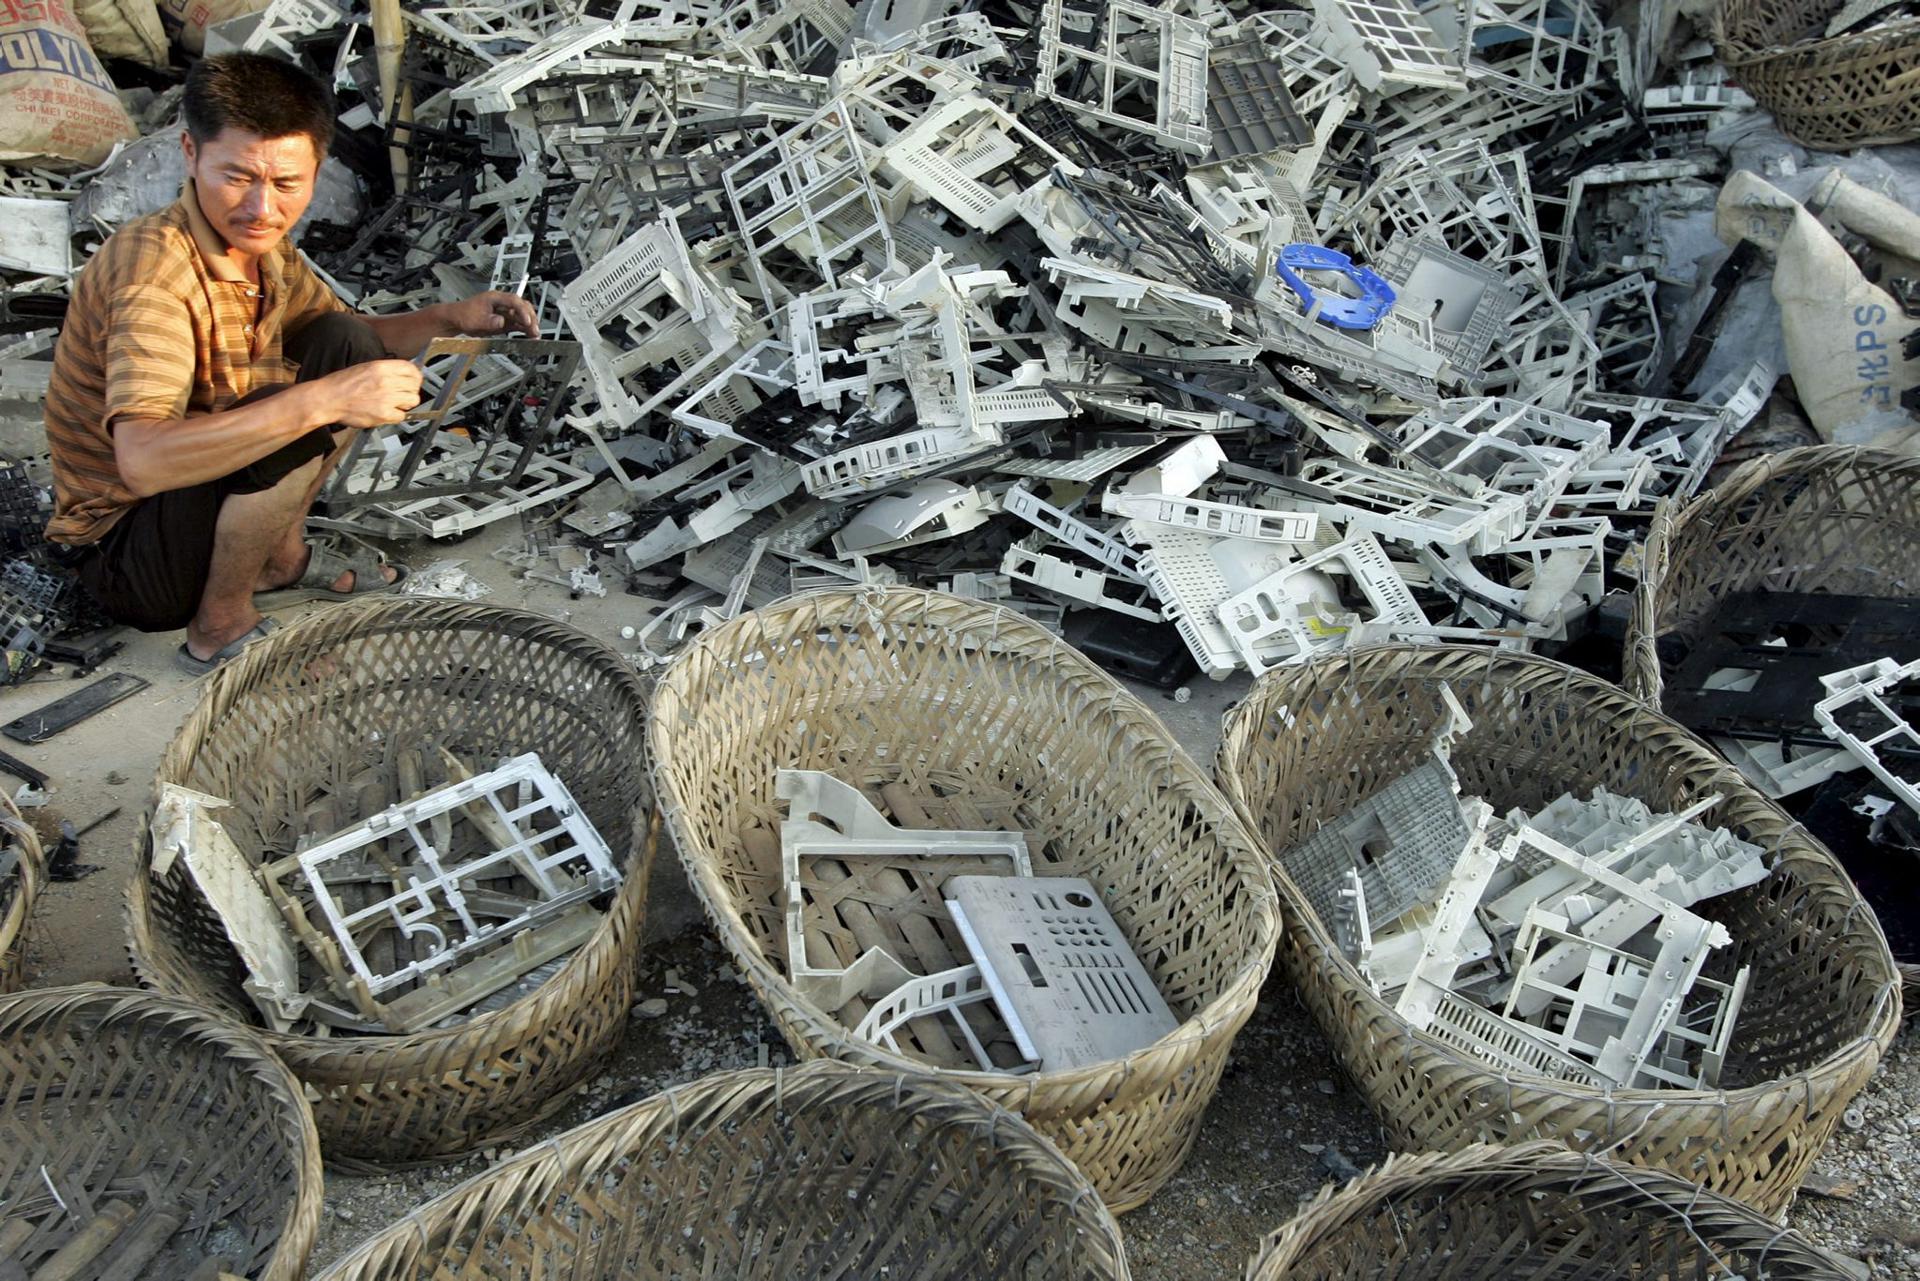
57	105
127	29
188	20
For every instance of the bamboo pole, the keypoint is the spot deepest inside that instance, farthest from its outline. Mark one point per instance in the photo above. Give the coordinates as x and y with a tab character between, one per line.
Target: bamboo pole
389	42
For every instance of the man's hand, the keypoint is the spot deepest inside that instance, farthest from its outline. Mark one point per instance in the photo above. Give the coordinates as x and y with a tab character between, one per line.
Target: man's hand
492	314
372	394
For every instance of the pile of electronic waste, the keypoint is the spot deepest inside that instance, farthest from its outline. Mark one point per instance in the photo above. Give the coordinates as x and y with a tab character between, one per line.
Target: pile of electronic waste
456	901
1289	327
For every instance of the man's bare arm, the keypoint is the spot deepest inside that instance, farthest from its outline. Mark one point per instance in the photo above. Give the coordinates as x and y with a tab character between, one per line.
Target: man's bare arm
485	315
158	454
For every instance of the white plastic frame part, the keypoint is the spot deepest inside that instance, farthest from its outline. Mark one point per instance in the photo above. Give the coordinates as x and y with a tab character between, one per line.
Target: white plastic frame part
958	154
1505	1043
1147	71
670	314
1386	43
1027	562
948	994
1625	835
1189	465
545	480
1441	954
1072	531
796	35
877	464
183	827
1623	1007
1466	302
1192	575
1500	446
1609	922
562	855
1474	202
1778	775
495	89
755	376
828	818
1087	469
727	496
1407	508
809	193
273	28
1869	684
485	30
1218	520
1281	605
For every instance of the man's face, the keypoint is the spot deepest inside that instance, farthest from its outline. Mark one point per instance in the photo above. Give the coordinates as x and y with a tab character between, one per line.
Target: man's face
252	189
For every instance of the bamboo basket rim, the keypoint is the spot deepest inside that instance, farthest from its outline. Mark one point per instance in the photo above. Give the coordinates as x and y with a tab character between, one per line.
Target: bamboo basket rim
1740	55
588	1149
1642	676
301	1225
31	874
553	998
1335	1206
1145	1064
1245	717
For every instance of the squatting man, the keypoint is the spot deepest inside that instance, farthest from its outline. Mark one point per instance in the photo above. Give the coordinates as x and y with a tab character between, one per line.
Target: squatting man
206	380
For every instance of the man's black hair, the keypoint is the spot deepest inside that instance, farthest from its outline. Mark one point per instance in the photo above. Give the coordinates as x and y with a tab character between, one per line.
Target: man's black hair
259	95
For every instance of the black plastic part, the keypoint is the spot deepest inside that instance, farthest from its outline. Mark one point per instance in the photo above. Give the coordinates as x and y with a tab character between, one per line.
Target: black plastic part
88	650
1150	652
1822	634
1711	300
22	313
20	769
1883	872
64	713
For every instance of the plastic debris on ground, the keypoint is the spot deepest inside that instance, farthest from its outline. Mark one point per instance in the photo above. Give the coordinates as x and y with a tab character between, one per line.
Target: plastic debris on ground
1284	328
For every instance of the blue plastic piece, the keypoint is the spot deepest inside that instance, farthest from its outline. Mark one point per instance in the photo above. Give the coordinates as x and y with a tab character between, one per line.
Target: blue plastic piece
1365	312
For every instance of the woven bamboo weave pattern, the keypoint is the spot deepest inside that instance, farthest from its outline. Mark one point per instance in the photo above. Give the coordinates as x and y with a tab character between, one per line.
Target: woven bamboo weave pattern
1312	741
950	697
1530	1213
316	710
114	1094
821	1172
1827	518
1834	93
28	878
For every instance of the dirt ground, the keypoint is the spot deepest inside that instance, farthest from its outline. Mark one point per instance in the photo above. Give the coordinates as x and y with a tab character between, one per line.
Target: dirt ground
1285	1122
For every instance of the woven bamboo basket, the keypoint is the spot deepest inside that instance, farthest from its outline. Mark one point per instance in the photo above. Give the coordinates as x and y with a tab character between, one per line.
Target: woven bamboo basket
1834	93
952	697
122	1096
1311	742
22	889
765	1175
1535	1212
308	712
1828	518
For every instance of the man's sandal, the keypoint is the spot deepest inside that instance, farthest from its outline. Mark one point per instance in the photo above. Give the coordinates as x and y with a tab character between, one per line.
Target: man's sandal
183	657
324	566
